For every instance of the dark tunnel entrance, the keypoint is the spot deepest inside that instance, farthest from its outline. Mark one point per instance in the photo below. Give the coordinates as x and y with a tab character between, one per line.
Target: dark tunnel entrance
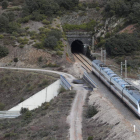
77	46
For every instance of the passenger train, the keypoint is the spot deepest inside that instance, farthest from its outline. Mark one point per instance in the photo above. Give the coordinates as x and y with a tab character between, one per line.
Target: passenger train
128	93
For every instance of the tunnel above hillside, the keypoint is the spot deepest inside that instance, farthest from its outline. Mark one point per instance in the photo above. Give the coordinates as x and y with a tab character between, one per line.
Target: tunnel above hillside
77	46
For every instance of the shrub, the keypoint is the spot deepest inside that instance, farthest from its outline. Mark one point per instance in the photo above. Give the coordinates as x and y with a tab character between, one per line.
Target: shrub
97	8
107	35
23	110
15	60
90	138
3	51
91	111
13	27
46	22
1	36
11	16
40	59
27	115
44	83
2	106
4	4
59	53
4	21
122	44
56	33
62	89
45	105
50	42
23	41
38	45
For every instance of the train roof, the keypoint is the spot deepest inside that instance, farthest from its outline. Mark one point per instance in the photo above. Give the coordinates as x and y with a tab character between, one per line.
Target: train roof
97	62
135	94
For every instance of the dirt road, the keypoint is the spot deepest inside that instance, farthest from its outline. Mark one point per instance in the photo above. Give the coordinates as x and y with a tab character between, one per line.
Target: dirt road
75	117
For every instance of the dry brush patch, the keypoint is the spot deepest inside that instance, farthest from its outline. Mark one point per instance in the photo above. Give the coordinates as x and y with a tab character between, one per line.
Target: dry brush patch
93	128
17	86
47	122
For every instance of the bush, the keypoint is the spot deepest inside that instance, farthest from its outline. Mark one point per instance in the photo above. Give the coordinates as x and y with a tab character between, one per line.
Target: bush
56	33
62	89
122	44
40	59
2	106
24	20
13	27
46	22
3	51
27	115
90	138
1	36
50	42
15	60
38	45
97	8
91	111
23	110
59	53
4	4
85	26
11	16
4	21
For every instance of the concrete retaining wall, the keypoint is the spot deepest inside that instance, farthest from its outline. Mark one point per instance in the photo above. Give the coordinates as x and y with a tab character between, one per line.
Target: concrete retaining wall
36	100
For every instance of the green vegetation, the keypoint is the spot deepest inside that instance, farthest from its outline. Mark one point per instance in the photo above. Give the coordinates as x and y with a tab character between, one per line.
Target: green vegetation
122	44
1	106
85	26
90	138
4	4
124	8
91	111
52	6
3	51
1	36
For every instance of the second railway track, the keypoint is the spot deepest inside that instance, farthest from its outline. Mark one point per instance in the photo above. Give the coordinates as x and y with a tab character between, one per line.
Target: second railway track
85	63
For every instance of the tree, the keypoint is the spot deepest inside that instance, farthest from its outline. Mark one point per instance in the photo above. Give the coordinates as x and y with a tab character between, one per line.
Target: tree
50	42
56	33
122	44
4	21
3	51
15	59
4	4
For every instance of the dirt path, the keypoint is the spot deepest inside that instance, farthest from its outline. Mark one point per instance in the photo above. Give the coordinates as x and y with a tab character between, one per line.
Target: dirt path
75	117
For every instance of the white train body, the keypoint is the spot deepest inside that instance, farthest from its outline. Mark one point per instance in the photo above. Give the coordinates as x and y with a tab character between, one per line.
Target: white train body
129	94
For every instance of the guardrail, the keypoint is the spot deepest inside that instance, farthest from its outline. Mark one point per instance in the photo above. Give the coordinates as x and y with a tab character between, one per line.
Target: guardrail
65	83
89	80
9	114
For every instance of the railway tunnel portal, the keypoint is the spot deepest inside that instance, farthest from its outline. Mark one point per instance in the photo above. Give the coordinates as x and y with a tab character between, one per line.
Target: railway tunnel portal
80	41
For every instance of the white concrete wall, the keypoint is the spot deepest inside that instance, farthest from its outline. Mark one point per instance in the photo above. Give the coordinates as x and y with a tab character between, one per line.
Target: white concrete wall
36	100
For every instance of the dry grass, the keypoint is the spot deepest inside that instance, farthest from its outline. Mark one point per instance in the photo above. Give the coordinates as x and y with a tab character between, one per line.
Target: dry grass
48	122
17	86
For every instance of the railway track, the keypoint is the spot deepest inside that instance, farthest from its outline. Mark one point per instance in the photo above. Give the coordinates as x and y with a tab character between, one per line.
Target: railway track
85	59
85	64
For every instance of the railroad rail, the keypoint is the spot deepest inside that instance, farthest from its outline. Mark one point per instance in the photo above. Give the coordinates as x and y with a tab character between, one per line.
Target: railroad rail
86	64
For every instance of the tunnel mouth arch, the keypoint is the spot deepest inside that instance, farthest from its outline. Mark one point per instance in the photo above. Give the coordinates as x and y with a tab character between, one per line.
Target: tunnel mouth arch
77	46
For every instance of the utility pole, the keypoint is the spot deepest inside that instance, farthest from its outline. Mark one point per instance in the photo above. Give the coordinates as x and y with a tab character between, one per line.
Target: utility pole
125	64
121	68
104	56
125	69
101	54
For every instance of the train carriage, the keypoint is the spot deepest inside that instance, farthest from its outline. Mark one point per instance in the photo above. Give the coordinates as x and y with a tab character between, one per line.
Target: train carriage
128	93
